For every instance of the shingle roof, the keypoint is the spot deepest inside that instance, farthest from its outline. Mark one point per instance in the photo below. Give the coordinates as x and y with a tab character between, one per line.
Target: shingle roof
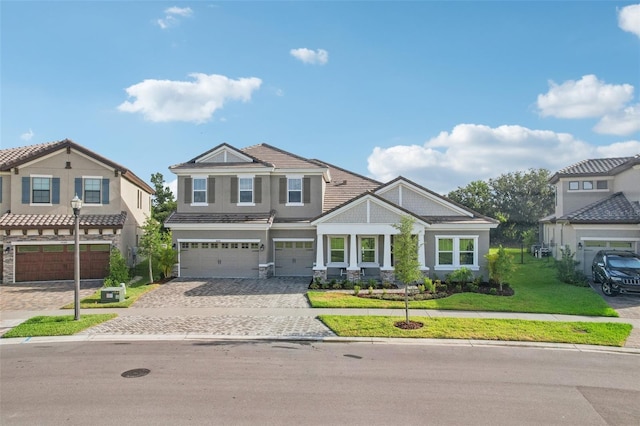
344	186
13	157
209	218
39	221
614	209
597	167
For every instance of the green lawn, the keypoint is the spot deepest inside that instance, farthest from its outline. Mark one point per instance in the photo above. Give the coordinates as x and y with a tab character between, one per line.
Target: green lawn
537	290
133	293
583	333
56	325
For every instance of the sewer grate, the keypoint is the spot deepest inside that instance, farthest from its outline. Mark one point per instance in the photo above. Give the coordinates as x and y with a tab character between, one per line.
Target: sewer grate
136	372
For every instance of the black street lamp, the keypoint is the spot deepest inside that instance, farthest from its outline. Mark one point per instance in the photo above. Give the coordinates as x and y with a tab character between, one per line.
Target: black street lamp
76	205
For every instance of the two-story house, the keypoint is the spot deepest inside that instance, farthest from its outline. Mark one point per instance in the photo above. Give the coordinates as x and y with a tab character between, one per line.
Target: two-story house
37	183
597	207
261	211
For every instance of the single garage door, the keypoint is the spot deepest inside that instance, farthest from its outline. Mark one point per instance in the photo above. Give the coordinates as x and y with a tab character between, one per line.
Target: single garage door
219	260
55	262
591	247
294	258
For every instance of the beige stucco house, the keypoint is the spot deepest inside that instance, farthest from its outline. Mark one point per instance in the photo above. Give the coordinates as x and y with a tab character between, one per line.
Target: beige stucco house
597	207
261	211
37	183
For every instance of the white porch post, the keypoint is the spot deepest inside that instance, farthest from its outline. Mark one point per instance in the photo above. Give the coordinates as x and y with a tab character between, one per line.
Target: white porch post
353	252
421	245
320	251
386	259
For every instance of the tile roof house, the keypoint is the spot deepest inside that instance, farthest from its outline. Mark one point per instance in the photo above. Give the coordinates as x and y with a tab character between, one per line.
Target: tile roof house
261	211
37	183
597	207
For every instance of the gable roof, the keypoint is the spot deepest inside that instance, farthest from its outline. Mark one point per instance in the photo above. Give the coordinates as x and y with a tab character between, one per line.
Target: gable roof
279	158
15	157
613	209
596	167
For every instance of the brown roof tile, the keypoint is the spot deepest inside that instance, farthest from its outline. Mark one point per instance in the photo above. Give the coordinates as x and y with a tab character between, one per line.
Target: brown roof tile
35	221
596	167
614	209
196	218
279	158
344	186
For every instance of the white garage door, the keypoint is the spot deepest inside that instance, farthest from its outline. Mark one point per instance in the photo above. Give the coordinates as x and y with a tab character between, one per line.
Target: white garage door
591	247
294	258
219	260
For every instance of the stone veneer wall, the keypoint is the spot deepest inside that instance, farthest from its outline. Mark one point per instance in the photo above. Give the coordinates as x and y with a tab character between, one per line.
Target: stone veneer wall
8	258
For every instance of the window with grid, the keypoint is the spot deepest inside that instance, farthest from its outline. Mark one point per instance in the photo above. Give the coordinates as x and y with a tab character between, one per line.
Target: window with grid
245	187
368	249
41	190
92	188
294	188
445	251
467	251
199	190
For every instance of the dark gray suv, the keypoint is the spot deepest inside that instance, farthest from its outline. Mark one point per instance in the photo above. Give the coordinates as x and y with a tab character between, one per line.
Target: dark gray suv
617	271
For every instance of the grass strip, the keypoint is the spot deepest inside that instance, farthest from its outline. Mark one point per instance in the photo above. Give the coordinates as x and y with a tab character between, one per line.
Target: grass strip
581	333
63	325
133	293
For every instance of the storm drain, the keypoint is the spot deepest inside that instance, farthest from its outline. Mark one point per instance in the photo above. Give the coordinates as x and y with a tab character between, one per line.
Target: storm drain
136	372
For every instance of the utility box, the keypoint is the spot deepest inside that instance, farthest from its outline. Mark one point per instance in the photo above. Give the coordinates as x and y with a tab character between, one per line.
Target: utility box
112	294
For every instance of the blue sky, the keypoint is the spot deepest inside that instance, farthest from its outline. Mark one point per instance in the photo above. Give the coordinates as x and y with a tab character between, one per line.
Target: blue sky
443	93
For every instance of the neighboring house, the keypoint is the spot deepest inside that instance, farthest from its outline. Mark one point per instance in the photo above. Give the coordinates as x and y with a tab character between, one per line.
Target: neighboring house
597	207
261	211
37	184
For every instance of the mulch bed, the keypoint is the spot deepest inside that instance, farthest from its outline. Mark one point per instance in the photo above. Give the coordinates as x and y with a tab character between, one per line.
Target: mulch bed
411	325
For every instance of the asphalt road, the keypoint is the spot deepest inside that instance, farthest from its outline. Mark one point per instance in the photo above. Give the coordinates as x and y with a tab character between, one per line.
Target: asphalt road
264	383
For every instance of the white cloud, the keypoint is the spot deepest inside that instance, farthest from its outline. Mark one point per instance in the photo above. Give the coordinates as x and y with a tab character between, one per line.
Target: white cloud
476	152
309	56
27	136
192	101
171	16
620	123
587	97
629	19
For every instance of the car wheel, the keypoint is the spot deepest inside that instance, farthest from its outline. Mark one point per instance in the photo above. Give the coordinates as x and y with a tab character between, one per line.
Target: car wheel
608	290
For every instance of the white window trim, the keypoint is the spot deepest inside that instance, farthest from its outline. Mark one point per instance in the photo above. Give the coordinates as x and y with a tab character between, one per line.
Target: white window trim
301	203
206	191
31	203
375	250
253	191
84	203
344	250
456	253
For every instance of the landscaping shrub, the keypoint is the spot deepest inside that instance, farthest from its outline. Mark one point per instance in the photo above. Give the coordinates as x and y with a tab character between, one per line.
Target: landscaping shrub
118	269
356	290
567	272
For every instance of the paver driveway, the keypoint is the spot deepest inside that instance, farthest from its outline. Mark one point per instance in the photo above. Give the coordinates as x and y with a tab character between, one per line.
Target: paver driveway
39	296
228	293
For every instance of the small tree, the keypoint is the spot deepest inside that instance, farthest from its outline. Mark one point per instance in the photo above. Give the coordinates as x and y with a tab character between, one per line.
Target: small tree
405	252
500	266
150	242
118	269
167	255
567	272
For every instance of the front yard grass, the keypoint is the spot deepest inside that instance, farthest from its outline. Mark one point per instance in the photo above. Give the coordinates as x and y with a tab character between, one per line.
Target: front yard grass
63	325
582	333
133	293
537	290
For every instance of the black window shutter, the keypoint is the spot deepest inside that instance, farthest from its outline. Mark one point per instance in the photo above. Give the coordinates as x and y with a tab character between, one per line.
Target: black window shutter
257	190
26	189
234	190
211	190
105	191
187	190
306	190
283	190
55	190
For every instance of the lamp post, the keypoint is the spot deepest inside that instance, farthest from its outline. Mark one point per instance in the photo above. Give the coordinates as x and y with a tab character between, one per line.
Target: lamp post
76	205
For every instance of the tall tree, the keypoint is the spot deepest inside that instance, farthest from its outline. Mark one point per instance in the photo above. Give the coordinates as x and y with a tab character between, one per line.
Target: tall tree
405	253
477	196
163	201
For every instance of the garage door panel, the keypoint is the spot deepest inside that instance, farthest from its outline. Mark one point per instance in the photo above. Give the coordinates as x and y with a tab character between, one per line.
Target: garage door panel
49	262
219	260
294	258
591	247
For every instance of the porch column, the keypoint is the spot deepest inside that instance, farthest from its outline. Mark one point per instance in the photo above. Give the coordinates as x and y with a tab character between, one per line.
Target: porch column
386	259
320	251
421	245
353	252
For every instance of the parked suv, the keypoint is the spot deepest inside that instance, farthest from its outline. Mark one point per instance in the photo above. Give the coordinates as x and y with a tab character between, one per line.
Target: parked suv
617	271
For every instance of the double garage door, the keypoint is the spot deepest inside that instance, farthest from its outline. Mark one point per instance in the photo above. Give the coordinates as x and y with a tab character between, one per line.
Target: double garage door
591	247
219	259
56	262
